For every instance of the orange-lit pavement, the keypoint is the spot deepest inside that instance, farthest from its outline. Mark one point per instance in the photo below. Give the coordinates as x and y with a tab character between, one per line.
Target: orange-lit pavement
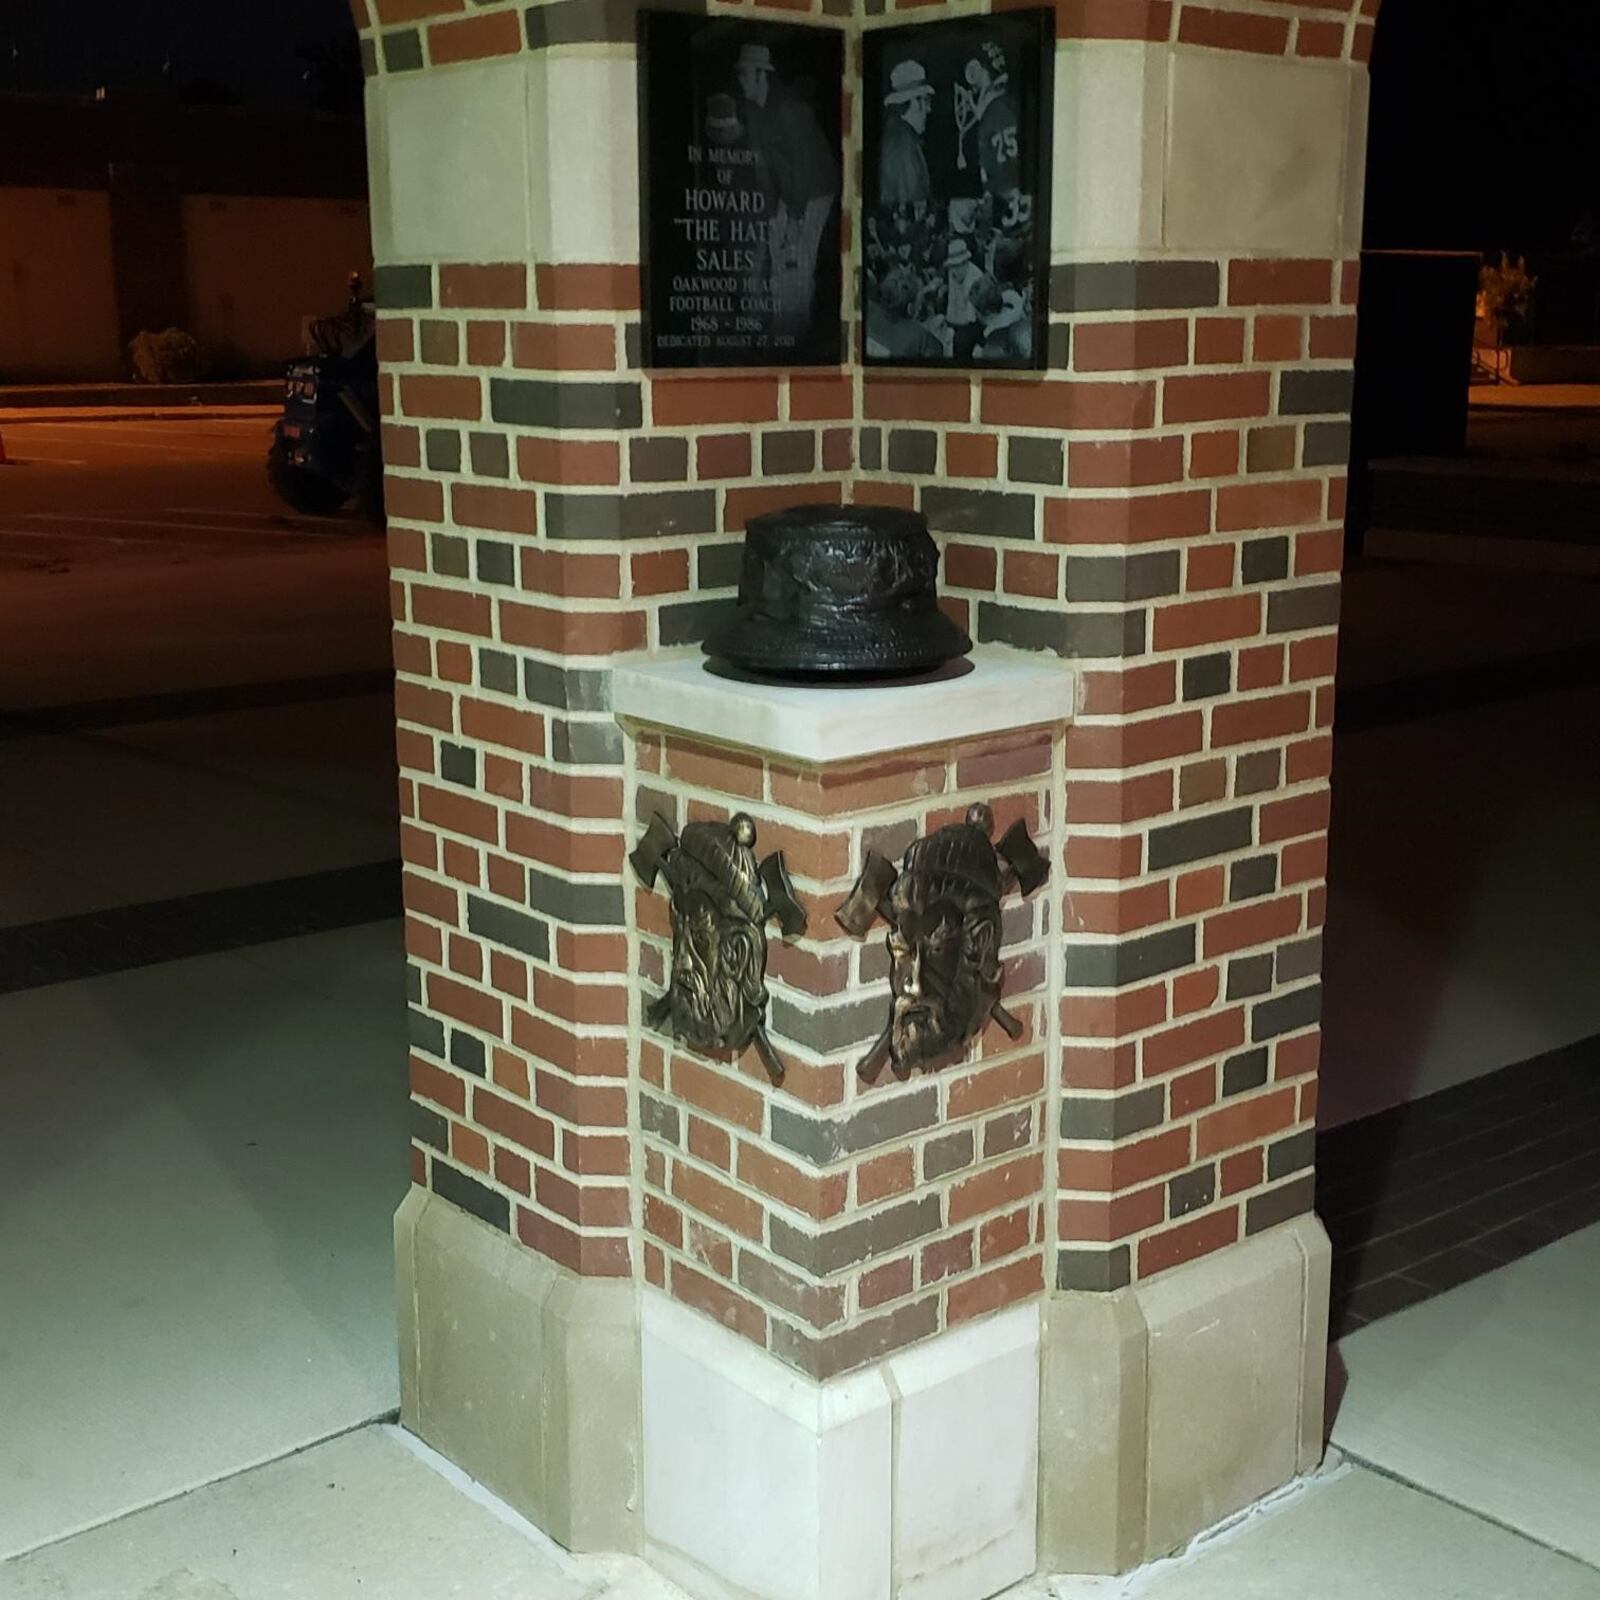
150	556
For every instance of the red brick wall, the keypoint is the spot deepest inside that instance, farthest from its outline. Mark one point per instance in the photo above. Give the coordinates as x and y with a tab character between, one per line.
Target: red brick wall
1165	511
550	506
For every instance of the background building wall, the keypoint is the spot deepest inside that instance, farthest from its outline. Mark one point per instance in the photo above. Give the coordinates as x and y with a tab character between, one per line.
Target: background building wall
136	211
58	300
256	265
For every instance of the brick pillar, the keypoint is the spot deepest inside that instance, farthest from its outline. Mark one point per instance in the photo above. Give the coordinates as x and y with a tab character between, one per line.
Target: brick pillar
1158	516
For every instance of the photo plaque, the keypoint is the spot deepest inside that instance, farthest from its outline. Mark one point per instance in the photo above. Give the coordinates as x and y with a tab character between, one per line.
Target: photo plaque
740	176
955	238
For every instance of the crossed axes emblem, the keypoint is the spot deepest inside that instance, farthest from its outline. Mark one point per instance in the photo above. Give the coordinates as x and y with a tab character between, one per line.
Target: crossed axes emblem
721	902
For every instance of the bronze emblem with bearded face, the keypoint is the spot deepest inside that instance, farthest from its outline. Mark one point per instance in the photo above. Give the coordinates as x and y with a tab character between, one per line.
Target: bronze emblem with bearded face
722	900
943	911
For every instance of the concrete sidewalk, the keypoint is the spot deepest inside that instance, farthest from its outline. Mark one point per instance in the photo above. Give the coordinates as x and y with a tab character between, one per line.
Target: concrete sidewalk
376	1513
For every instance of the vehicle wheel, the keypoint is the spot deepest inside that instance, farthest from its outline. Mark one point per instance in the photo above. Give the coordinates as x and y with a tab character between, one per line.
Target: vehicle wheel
305	491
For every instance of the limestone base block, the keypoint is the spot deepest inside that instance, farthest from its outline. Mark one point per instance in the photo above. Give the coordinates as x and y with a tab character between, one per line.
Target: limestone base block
966	1480
1092	1433
522	1373
1170	1405
912	1479
1084	1434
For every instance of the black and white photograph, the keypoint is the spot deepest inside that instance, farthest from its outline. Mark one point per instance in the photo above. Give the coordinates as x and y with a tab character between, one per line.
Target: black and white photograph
741	174
955	246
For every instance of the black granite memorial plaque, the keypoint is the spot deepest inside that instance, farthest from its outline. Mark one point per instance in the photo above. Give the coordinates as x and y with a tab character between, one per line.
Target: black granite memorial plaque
740	175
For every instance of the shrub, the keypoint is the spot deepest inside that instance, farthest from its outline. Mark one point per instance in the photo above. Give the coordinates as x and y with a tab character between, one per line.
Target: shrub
1505	296
169	357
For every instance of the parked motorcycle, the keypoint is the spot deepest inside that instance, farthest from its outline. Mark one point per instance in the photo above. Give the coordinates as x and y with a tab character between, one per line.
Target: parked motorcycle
326	448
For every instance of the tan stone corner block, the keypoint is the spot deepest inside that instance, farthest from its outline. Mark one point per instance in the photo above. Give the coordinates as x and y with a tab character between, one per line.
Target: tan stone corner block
472	1342
1169	1406
405	1302
1316	1251
1092	1433
584	176
1227	1364
1110	148
380	208
591	1413
1256	153
1355	165
523	1374
454	146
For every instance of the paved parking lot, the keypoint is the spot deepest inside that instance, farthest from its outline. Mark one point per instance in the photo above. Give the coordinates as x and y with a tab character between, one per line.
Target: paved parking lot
91	492
146	554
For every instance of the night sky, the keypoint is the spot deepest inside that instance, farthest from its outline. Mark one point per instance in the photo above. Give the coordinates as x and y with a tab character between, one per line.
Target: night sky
1485	129
245	47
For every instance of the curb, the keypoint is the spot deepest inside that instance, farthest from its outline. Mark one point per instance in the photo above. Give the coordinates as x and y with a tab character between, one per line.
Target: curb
138	396
38	415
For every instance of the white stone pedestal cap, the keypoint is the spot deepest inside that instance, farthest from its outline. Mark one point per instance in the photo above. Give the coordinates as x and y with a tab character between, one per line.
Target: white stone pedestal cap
820	723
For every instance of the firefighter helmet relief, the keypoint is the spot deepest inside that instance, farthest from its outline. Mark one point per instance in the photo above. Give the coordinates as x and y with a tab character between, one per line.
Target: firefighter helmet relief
942	907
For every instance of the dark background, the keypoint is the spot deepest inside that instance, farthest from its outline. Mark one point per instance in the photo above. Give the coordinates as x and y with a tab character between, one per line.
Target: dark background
251	52
1485	131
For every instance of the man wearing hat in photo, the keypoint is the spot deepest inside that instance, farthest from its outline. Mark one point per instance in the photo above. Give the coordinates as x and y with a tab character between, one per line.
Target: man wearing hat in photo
903	178
798	171
963	277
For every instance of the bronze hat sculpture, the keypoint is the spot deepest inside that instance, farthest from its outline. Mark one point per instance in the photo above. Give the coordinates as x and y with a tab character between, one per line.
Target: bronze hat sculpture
716	995
840	591
943	911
